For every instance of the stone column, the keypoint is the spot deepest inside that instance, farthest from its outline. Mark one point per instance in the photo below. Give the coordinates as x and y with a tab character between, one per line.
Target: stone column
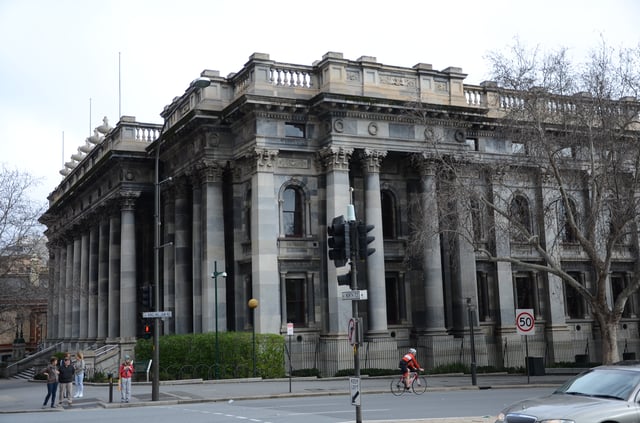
168	259
54	294
67	293
182	248
84	285
128	289
213	246
376	282
103	278
92	321
336	162
264	237
196	255
432	260
76	293
114	277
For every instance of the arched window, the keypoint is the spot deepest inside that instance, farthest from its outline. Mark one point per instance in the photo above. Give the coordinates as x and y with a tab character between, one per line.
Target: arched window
292	212
520	217
388	215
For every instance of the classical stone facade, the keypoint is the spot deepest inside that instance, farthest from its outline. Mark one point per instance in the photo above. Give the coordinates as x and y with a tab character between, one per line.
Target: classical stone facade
252	167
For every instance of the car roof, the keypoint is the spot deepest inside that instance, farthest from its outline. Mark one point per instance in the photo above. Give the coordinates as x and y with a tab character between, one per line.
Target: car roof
633	365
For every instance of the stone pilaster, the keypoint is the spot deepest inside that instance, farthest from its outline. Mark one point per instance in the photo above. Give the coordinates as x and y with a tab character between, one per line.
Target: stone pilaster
264	237
336	162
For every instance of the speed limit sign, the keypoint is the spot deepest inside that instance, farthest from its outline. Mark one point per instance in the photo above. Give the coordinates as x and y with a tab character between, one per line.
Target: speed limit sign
525	322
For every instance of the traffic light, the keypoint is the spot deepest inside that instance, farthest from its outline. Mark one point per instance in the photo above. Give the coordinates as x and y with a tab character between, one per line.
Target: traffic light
339	241
364	240
147	296
147	331
345	279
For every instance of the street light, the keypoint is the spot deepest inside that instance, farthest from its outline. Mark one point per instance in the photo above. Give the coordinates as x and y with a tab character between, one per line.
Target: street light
471	308
253	304
215	275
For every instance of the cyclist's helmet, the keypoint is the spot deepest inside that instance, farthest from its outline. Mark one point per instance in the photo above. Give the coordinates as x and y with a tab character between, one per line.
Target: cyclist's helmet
412	350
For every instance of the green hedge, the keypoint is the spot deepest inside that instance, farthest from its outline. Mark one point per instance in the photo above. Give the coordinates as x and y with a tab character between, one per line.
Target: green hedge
193	355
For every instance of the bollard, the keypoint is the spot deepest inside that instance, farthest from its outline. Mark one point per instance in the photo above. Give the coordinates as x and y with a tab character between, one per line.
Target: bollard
110	376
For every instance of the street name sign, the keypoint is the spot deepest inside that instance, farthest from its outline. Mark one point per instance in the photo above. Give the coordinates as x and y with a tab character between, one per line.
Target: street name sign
355	295
156	314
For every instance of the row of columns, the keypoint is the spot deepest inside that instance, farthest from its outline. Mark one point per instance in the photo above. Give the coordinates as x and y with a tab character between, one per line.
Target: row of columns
94	278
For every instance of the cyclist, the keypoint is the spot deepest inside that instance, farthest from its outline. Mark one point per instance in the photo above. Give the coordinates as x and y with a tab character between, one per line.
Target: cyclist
409	362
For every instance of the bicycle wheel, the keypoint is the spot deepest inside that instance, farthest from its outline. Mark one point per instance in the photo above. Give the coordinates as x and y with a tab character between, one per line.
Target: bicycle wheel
419	385
397	387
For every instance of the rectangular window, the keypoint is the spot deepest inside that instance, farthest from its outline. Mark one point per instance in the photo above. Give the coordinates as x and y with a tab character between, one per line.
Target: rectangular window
618	283
472	143
294	130
518	148
574	301
483	296
395	294
296	294
525	292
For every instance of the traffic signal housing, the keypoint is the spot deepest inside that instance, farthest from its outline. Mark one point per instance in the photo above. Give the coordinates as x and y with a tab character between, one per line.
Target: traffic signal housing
339	241
146	330
364	240
345	279
147	296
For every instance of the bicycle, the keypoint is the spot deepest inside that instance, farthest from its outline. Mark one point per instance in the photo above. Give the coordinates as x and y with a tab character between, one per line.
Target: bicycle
418	384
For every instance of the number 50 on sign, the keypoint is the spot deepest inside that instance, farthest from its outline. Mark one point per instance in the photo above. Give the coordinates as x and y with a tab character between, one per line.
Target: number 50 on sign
525	321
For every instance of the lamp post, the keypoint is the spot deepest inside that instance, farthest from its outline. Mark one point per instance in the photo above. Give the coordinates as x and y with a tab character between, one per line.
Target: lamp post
253	304
215	275
471	309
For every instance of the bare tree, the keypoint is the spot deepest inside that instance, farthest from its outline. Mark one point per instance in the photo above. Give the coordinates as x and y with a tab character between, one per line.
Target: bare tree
23	254
569	184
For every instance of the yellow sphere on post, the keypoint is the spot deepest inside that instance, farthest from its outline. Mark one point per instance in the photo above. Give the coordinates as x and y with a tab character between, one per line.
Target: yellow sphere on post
253	303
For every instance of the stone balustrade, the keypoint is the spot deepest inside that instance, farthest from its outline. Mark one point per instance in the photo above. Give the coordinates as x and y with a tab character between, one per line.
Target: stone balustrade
128	135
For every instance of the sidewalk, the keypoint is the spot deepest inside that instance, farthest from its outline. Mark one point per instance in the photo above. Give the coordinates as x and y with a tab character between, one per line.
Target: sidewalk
17	396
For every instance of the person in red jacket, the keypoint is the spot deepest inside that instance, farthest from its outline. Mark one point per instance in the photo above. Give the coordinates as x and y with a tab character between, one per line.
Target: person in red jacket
409	362
126	372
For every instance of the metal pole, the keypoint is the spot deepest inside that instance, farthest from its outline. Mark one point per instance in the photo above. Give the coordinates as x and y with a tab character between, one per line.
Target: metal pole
474	381
253	328
155	383
215	288
353	236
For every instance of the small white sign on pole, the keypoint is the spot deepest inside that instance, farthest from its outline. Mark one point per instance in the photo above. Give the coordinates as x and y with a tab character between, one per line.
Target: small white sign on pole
525	321
354	382
289	328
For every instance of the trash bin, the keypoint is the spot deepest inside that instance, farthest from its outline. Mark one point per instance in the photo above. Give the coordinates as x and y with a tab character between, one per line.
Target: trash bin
536	366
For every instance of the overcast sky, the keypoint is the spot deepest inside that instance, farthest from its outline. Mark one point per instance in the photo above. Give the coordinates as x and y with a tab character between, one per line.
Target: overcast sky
61	61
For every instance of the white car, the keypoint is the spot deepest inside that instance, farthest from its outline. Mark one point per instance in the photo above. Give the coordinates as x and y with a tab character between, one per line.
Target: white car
604	394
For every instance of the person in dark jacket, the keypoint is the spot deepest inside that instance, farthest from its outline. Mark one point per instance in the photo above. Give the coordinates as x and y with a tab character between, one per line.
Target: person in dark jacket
52	382
65	378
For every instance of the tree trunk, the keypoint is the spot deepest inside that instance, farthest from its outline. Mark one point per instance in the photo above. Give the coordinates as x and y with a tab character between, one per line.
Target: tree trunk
609	333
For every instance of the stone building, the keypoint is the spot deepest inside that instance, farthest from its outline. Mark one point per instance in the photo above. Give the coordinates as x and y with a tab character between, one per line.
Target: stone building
252	168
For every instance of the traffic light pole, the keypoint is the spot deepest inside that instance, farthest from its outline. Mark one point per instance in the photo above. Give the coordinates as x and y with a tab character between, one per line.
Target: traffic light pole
354	308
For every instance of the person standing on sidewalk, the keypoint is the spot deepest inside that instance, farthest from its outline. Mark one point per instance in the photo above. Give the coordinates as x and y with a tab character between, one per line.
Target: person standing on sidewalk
52	382
126	372
66	379
79	368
